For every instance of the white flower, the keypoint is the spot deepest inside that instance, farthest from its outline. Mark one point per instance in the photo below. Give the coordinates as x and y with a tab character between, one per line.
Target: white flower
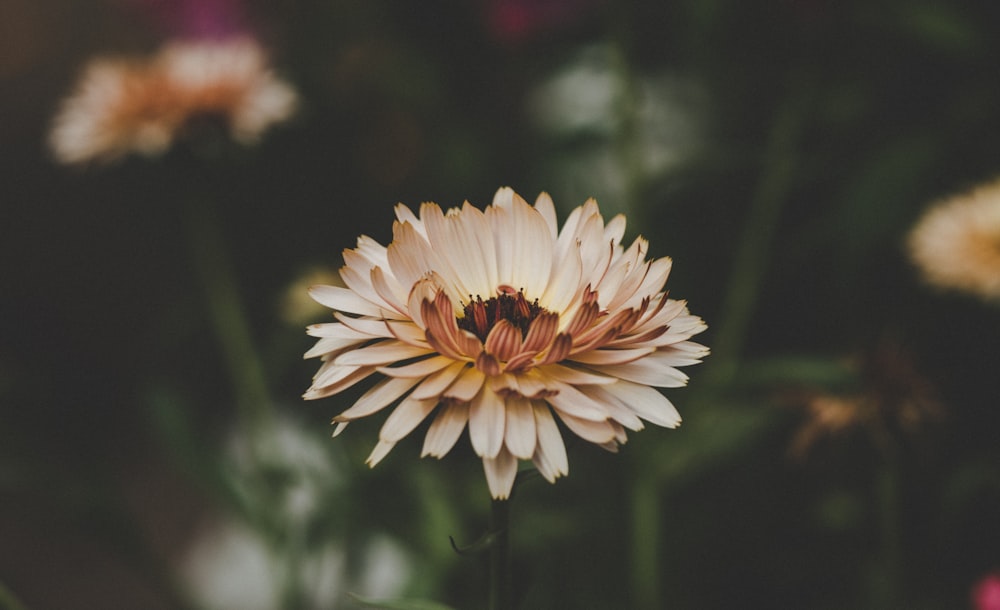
498	321
956	245
124	106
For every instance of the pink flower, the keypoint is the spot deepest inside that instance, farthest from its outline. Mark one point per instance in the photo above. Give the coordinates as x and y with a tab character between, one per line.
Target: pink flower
986	592
193	18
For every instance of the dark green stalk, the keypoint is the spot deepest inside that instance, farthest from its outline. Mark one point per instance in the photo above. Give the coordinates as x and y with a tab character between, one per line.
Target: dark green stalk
750	261
228	318
646	514
9	601
500	582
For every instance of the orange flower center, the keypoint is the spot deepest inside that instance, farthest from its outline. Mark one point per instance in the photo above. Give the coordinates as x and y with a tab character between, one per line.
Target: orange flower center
481	316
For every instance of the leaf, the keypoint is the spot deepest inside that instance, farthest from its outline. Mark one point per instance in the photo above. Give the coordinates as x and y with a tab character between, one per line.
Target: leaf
400	604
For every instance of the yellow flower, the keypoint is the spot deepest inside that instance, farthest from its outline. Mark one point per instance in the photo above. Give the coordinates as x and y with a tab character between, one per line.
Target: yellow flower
124	106
956	245
498	321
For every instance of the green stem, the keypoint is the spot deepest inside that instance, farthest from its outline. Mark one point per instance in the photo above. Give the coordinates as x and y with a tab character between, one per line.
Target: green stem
9	601
888	493
754	247
500	556
228	318
645	542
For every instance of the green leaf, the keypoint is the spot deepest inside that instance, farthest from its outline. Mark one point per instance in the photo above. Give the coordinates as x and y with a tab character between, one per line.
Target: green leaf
400	604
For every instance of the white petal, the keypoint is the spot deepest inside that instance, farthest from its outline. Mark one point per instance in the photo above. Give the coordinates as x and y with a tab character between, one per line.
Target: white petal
366	327
611	356
380	395
575	377
343	299
646	402
330	344
617	410
519	430
615	229
500	474
647	371
466	386
334	330
381	450
336	379
598	432
381	353
420	369
563	286
550	452
486	423
547	209
433	386
445	430
405	418
389	290
570	400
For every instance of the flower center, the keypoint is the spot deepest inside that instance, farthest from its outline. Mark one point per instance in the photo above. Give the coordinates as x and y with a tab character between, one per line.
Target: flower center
479	316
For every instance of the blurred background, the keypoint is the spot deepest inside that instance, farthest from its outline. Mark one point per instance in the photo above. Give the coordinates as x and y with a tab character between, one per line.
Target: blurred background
839	447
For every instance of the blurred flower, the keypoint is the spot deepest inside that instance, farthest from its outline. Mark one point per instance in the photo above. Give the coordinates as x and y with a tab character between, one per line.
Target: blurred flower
613	126
986	592
513	21
893	397
296	307
956	245
123	106
497	320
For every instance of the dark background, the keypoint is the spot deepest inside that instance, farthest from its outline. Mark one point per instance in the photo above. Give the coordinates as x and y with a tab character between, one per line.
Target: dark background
778	151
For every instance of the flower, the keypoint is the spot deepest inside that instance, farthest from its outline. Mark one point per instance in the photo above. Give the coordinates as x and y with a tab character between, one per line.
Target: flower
890	397
956	244
124	106
197	18
498	321
986	592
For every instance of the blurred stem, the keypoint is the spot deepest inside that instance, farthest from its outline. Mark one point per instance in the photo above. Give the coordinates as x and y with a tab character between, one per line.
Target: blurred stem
888	497
9	601
500	555
752	253
228	318
645	541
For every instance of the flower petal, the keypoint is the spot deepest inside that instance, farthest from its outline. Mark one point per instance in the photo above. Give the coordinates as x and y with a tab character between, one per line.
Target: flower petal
405	418
486	423
519	431
597	432
504	341
550	452
378	397
611	356
381	353
381	450
343	299
646	402
436	384
500	474
466	386
445	430
421	368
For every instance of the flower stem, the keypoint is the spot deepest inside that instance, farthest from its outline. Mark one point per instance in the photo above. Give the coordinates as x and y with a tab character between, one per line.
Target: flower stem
750	262
500	556
226	311
646	515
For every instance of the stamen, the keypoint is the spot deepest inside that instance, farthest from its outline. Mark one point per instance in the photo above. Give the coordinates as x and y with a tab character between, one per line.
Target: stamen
479	316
